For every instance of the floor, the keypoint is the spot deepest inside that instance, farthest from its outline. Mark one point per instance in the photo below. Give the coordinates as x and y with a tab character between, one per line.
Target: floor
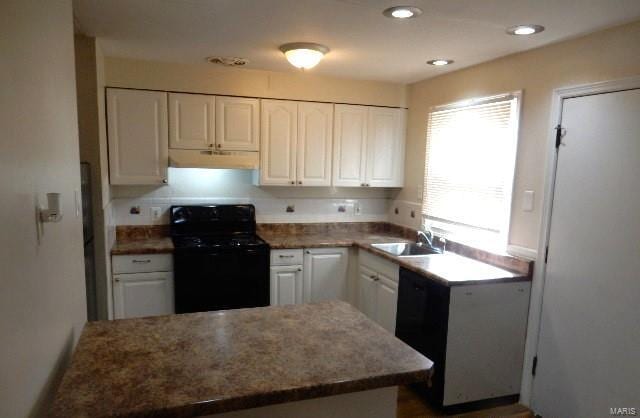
411	405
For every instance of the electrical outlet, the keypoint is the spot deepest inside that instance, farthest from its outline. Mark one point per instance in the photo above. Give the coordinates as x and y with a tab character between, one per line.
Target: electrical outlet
156	213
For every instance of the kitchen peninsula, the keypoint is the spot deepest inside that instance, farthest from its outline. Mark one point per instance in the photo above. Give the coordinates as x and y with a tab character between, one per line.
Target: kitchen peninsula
326	359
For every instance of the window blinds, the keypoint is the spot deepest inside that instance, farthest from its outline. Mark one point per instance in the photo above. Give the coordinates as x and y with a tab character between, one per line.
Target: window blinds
470	163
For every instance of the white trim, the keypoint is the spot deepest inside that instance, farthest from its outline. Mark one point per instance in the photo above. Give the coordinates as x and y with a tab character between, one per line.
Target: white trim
537	288
522	252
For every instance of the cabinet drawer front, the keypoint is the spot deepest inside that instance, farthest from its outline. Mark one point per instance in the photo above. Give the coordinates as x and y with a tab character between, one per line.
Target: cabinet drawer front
286	257
140	263
379	264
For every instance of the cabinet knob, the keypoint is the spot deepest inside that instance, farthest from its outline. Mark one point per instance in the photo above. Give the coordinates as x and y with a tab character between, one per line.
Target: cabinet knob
362	184
165	181
299	182
293	182
299	269
219	145
373	276
210	145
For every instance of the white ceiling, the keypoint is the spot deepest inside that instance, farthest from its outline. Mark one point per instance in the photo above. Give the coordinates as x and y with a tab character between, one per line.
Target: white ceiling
364	44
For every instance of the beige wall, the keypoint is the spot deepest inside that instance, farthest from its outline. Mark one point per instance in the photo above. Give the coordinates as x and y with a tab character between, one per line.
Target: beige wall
606	55
42	301
208	78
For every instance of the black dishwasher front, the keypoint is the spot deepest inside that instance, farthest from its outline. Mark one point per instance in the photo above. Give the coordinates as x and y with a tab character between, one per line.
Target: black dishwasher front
423	315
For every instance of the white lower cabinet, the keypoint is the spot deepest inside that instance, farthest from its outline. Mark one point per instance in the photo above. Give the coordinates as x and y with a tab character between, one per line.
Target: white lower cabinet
143	294
286	285
142	285
310	275
378	289
325	274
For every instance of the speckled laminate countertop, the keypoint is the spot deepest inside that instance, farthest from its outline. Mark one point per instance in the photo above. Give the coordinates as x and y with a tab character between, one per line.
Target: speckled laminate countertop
205	363
449	269
156	245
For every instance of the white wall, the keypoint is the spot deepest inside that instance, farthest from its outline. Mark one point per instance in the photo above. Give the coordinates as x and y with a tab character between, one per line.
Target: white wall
198	186
42	301
605	55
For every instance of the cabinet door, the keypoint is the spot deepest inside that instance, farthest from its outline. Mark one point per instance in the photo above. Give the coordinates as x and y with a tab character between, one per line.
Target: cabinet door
325	274
315	140
237	121
286	285
138	136
349	156
386	303
278	136
367	292
385	147
191	121
143	294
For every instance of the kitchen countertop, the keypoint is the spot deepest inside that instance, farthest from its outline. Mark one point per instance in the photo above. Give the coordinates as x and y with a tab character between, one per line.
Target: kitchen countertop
205	363
155	245
450	269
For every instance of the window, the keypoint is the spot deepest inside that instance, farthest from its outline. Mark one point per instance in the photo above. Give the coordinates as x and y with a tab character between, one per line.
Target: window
470	162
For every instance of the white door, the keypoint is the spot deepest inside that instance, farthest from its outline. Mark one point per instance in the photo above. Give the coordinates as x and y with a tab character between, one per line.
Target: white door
349	155
315	140
325	274
138	136
385	147
367	291
278	141
386	303
286	285
191	121
237	124
143	294
589	344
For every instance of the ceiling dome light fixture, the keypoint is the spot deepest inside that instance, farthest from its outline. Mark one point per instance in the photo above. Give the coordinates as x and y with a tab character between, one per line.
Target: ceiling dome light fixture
402	12
304	55
524	30
440	62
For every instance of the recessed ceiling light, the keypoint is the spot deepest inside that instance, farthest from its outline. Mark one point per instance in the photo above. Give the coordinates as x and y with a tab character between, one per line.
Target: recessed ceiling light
402	12
524	29
304	55
440	62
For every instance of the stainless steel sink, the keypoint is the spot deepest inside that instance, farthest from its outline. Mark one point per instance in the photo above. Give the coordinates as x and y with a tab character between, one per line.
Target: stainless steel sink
406	249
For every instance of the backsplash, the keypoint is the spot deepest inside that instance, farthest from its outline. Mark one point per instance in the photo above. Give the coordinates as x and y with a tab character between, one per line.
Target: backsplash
273	204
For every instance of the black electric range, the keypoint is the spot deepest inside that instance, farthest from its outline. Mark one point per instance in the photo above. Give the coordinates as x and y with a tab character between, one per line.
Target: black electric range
219	261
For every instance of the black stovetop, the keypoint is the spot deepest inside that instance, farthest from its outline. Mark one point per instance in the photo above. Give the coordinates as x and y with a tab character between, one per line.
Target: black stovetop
198	242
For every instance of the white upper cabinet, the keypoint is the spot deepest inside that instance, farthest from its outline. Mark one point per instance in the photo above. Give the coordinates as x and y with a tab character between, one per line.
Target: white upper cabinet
279	138
369	146
191	121
315	140
138	136
349	155
237	121
385	147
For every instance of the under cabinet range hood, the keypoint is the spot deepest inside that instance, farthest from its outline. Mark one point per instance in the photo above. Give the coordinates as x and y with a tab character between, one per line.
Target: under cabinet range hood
181	158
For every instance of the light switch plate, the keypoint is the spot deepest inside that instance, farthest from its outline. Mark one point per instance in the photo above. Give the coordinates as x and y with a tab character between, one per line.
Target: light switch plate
527	200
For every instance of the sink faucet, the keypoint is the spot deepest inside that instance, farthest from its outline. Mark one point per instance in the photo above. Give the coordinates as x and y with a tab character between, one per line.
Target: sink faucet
426	237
